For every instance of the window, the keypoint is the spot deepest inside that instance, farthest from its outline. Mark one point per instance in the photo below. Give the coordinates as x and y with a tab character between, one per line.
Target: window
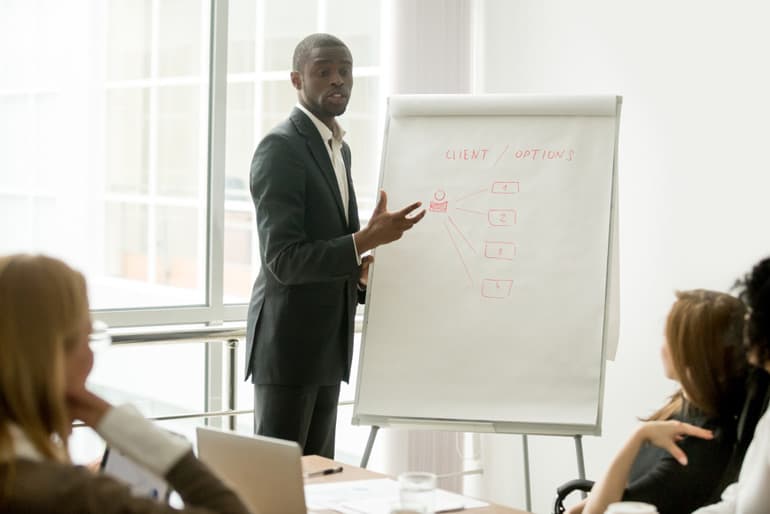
104	152
105	138
105	130
261	40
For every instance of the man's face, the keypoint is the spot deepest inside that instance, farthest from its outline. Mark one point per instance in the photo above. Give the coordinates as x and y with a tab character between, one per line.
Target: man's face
324	84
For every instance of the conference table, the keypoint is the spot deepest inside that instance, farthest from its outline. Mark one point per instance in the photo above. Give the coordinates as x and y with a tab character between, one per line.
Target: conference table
311	463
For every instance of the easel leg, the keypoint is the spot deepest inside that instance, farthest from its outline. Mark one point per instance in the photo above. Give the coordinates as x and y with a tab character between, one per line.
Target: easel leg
580	462
369	444
527	486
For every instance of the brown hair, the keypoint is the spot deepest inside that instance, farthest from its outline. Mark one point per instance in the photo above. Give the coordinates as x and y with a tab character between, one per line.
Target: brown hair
704	337
42	306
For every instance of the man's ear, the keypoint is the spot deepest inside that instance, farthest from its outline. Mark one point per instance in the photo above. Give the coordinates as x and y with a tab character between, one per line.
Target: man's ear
296	80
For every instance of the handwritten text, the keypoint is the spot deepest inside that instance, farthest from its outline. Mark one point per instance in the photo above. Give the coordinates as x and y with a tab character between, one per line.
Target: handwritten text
544	154
466	154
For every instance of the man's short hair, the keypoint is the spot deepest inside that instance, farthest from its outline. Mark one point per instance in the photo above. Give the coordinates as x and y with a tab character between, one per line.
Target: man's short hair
304	47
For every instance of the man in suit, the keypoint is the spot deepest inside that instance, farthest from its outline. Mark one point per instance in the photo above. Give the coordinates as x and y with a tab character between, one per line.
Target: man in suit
299	338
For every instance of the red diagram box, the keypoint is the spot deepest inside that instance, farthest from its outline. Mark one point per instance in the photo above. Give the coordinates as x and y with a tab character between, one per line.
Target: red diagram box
505	188
501	217
496	288
499	250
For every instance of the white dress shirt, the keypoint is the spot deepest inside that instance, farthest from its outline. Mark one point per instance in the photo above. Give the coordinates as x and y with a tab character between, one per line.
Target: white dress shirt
333	140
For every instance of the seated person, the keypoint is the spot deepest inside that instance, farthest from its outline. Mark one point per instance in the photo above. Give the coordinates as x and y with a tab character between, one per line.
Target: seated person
751	493
44	362
676	458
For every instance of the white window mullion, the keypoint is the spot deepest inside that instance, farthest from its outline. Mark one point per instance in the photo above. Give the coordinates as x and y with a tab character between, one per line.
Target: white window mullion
259	64
216	162
152	176
202	205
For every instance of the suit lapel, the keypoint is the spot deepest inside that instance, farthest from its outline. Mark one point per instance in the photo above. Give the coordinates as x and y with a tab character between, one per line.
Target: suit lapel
321	156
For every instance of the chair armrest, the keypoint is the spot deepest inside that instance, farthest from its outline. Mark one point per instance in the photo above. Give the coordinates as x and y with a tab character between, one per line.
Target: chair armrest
579	484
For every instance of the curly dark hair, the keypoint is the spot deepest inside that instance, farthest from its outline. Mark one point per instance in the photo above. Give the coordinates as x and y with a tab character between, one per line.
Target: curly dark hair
754	290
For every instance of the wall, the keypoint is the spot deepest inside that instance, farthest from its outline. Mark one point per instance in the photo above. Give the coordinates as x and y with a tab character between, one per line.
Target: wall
693	172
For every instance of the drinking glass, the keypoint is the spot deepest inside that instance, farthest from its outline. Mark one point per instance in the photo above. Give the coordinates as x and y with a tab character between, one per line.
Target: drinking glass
417	488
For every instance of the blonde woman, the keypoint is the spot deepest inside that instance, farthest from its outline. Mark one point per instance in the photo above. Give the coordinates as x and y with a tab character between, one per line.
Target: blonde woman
44	362
677	457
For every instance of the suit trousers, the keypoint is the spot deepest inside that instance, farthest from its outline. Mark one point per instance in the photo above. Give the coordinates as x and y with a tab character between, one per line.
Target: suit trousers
306	414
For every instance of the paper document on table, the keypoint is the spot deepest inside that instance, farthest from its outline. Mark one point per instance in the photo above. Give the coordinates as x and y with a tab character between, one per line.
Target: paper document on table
375	496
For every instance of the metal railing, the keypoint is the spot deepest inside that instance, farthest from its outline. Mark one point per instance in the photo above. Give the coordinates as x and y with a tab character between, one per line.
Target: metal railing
222	343
221	357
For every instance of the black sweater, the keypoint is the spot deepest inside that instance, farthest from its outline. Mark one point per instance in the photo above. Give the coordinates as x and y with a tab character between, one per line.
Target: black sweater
657	478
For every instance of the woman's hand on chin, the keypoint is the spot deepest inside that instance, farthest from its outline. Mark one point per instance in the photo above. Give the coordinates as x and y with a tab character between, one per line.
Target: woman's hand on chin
86	406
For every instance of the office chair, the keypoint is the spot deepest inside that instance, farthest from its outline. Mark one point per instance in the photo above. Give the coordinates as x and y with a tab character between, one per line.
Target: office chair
754	405
564	490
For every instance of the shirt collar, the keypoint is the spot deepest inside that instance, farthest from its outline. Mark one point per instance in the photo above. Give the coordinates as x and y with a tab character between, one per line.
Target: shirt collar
337	134
22	446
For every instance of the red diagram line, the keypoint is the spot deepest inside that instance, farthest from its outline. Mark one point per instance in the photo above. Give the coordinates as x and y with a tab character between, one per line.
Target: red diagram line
471	211
501	156
463	235
471	194
459	254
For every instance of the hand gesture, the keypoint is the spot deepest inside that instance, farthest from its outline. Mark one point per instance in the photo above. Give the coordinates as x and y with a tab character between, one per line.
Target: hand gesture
665	434
385	227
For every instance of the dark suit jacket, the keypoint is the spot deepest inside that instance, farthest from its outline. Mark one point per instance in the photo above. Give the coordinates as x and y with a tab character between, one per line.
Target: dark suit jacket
300	319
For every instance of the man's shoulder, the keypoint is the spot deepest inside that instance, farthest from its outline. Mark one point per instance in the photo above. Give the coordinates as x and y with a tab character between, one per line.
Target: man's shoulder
296	127
282	136
296	122
286	128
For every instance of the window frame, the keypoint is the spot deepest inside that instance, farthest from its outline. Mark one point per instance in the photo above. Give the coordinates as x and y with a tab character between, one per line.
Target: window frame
213	311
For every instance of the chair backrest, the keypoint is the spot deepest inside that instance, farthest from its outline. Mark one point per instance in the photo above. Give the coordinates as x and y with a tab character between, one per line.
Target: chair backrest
754	406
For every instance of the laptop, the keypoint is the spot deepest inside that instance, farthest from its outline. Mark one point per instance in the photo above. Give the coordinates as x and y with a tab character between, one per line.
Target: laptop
264	471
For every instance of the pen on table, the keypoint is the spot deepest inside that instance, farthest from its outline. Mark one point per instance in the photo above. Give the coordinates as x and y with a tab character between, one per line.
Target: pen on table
323	472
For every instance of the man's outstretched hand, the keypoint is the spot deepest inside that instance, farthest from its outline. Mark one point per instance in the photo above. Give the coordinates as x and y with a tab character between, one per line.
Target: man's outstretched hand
385	227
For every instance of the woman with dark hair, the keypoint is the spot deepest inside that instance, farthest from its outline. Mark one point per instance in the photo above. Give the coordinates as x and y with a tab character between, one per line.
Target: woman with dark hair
751	493
44	362
676	458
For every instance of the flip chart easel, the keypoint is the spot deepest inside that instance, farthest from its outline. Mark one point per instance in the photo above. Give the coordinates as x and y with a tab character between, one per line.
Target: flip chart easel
494	313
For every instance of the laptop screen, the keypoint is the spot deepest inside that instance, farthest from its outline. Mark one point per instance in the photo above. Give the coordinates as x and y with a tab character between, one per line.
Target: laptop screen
264	471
